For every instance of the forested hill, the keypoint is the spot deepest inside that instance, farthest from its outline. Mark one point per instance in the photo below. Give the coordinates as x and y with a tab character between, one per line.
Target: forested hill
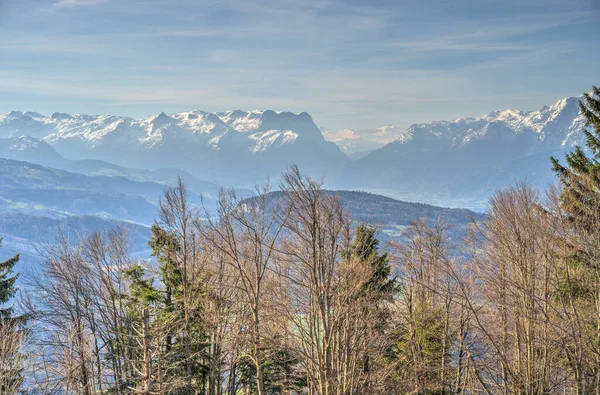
392	215
382	210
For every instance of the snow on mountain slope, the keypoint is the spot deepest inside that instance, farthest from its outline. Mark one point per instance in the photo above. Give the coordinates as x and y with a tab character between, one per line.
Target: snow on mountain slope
37	151
230	146
559	123
257	121
461	162
27	148
549	126
244	121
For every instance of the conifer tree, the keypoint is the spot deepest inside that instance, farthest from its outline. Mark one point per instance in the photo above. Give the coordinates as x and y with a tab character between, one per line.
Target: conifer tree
165	247
7	285
377	290
11	334
366	248
580	177
143	295
580	282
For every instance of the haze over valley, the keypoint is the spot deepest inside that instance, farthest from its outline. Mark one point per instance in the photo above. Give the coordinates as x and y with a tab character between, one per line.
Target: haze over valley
112	168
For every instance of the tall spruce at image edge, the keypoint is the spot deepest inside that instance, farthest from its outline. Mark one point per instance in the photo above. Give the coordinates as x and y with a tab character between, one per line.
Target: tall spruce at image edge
11	376
580	178
580	200
7	285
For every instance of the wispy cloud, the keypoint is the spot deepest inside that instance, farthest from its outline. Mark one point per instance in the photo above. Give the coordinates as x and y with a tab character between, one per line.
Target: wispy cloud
78	3
45	45
494	34
351	64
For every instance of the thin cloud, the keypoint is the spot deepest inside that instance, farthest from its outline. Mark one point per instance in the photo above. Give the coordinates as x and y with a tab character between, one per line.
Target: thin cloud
48	45
78	3
343	61
491	35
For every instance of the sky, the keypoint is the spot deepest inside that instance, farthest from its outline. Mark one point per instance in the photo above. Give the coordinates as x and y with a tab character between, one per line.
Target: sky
350	64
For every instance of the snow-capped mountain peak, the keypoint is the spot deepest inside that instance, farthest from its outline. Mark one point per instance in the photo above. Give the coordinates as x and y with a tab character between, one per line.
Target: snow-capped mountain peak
243	121
468	158
191	140
550	122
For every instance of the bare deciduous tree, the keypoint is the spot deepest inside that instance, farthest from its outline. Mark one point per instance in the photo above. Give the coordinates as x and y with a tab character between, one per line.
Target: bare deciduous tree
245	234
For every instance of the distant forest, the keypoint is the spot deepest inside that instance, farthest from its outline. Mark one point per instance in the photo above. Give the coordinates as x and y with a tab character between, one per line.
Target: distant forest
292	292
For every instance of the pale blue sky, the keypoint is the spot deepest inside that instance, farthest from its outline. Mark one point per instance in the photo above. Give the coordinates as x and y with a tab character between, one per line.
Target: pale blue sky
350	64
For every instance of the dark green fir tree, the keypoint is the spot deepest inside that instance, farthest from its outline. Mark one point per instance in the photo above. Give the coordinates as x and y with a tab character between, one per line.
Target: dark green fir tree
580	200
7	285
11	328
366	248
580	177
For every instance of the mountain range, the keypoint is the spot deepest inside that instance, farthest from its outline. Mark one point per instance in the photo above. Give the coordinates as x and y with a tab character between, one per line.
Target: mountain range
455	163
234	147
462	162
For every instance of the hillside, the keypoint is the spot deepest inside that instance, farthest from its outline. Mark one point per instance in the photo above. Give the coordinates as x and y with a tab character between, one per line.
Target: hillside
37	151
391	216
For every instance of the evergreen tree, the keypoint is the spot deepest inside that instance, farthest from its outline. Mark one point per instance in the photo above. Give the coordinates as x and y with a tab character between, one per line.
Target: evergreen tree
142	354
143	293
378	290
165	247
7	285
579	282
10	329
366	249
580	177
283	372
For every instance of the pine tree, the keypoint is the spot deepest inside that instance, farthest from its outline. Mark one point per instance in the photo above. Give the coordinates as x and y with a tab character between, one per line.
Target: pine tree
11	332
165	247
7	285
366	248
142	351
374	294
580	177
580	199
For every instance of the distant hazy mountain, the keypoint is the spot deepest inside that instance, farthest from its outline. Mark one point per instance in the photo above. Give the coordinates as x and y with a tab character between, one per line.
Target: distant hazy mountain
352	143
35	202
387	212
462	162
28	149
33	189
37	151
358	143
236	147
29	235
